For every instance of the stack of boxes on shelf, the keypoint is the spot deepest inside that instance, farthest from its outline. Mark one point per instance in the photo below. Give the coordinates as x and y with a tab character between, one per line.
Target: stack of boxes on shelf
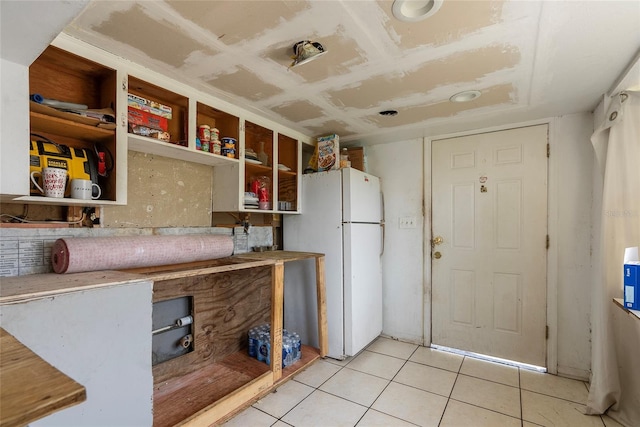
148	118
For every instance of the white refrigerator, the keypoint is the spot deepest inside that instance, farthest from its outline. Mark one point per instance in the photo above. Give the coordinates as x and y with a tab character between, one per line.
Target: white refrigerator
342	217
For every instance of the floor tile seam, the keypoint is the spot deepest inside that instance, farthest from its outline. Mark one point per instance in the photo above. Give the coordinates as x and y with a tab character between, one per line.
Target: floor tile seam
322	383
305	398
389	355
392	355
491	381
520	394
426	391
374	375
352	401
261	410
434	367
488	409
389	415
555	397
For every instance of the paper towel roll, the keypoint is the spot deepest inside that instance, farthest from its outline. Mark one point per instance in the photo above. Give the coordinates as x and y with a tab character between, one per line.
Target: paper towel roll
75	255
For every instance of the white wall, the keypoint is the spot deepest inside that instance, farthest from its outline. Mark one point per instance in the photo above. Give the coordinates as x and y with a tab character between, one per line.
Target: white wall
100	338
399	165
406	181
572	146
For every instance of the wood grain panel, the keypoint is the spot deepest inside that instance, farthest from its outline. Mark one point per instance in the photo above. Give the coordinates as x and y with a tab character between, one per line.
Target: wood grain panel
225	306
30	387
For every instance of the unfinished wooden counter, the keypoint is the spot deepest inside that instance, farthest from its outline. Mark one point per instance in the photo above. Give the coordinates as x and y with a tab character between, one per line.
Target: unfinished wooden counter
231	295
30	387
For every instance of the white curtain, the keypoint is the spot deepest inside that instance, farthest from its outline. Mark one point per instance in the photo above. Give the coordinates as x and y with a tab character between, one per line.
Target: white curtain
616	226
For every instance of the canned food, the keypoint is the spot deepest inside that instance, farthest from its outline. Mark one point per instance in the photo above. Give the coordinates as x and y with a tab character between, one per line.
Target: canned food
215	147
204	133
228	140
229	152
215	134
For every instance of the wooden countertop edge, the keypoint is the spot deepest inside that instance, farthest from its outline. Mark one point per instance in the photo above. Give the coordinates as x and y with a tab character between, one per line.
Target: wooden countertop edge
37	286
281	256
20	289
31	387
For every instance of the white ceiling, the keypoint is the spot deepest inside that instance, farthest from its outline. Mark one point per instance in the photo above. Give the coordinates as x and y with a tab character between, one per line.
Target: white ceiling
530	59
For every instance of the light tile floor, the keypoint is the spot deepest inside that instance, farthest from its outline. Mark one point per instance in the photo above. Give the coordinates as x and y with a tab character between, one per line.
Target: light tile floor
392	383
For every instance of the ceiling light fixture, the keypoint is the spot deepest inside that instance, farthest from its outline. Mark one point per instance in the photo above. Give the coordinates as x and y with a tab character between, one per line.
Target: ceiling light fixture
466	96
415	10
306	51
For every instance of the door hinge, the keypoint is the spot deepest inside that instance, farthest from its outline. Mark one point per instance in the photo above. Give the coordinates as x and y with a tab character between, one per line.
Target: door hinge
548	150
547	243
546	332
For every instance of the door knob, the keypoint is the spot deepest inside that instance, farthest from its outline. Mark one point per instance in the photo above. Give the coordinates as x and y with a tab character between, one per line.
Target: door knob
436	241
437	255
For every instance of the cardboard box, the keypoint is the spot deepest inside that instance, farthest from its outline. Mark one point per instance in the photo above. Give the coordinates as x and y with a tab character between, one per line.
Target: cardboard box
632	286
356	157
143	118
328	152
153	107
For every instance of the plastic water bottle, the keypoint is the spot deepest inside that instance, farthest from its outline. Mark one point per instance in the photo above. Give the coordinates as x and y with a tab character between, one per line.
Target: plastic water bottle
264	350
297	343
287	352
253	342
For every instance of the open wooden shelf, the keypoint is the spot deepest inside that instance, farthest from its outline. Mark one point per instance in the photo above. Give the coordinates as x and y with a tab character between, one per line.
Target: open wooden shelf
178	399
167	149
59	126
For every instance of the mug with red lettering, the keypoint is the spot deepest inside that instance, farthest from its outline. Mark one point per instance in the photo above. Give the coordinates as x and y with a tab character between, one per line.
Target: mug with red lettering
54	181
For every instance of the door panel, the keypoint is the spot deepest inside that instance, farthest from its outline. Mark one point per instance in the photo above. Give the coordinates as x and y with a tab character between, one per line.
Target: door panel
489	205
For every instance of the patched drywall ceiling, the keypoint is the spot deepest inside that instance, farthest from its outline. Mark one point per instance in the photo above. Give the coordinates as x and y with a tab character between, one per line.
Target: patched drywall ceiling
529	59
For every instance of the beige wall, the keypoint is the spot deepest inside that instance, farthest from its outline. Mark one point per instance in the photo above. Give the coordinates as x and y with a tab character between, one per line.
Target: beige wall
163	192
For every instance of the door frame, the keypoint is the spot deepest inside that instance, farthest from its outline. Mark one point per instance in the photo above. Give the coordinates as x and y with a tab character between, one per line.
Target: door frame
552	230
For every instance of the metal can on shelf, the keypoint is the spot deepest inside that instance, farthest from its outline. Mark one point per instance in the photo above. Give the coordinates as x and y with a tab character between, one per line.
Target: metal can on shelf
204	133
215	146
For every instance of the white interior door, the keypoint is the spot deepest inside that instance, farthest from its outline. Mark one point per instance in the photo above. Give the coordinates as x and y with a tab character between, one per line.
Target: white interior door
489	206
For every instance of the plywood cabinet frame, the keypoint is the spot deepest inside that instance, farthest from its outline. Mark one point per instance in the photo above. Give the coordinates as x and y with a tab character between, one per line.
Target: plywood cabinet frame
229	199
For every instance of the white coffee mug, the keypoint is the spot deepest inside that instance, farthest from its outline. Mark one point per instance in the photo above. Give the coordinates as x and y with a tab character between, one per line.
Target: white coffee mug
54	181
83	189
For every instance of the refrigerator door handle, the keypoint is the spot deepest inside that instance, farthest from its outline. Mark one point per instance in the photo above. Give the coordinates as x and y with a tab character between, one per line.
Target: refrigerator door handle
383	231
382	203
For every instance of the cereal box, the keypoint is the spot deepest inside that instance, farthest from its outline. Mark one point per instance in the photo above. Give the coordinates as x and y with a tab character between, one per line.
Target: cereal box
328	152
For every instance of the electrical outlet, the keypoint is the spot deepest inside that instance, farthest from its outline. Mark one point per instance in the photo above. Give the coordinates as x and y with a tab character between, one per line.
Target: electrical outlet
407	222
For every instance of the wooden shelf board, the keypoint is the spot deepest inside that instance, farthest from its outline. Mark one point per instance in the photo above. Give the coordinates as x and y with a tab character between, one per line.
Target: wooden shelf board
66	201
58	126
180	398
196	394
31	387
161	148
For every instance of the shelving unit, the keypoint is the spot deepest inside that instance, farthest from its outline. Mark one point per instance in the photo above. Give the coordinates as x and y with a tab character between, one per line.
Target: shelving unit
61	75
73	71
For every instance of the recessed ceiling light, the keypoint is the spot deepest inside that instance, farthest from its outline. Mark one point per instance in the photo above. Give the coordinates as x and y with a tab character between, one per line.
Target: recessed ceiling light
415	10
388	113
466	96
